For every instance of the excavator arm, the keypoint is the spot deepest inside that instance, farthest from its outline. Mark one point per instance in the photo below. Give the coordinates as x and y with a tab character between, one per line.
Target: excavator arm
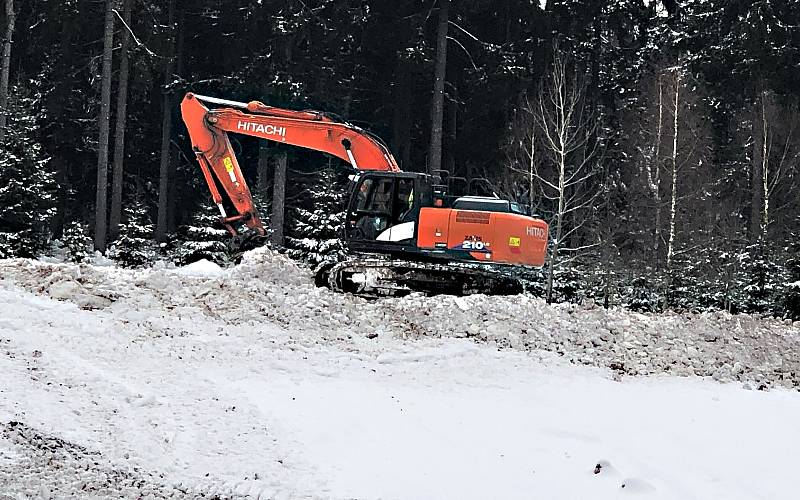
209	128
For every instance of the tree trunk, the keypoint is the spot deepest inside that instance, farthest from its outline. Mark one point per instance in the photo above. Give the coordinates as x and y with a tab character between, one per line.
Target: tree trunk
262	170
607	235
562	164
531	168
103	121
765	173
401	117
437	104
452	129
278	200
172	193
655	181
756	174
119	129
65	208
6	67
674	185
166	133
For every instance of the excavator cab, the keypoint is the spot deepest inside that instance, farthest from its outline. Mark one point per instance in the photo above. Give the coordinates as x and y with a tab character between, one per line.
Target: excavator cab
383	210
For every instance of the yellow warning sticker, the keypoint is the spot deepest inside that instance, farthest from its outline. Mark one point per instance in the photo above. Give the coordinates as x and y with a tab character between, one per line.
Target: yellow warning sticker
228	163
513	241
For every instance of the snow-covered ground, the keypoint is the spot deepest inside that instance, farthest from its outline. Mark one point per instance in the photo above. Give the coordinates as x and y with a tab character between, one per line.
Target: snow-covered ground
250	382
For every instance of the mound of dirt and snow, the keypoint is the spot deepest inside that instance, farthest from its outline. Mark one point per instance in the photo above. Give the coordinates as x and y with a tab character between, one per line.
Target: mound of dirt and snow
251	382
266	286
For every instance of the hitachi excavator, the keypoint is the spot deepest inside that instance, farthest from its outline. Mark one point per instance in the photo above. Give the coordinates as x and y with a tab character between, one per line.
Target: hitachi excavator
403	231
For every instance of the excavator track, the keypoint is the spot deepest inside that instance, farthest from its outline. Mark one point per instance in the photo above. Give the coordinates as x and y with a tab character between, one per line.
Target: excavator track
377	277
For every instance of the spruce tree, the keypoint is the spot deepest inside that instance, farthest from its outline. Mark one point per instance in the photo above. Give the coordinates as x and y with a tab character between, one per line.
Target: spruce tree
315	227
76	241
134	247
202	238
27	185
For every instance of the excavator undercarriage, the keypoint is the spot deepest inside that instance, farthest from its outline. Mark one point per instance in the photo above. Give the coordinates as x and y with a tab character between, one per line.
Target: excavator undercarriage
371	275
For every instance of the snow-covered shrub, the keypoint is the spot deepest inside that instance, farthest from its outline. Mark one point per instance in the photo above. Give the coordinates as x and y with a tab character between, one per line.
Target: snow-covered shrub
642	294
569	284
135	246
27	184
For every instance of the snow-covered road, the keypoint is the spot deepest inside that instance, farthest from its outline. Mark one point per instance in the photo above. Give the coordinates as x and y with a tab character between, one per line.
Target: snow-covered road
136	396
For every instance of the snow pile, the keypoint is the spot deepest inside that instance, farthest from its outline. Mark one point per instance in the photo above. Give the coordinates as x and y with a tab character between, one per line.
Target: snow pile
201	269
252	382
268	287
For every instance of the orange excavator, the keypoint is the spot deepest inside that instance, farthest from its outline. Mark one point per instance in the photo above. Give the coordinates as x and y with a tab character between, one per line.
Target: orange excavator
403	231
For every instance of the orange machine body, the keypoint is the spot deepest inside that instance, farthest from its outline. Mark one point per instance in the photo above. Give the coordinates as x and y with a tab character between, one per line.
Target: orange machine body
497	237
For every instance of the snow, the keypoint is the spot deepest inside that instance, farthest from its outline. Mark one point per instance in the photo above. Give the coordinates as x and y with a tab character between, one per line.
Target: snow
250	382
202	268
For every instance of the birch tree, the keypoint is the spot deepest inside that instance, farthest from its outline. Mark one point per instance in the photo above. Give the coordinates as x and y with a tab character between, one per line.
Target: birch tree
777	154
653	167
674	168
569	144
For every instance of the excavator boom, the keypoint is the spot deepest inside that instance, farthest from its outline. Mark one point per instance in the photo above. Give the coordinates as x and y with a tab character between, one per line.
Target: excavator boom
208	130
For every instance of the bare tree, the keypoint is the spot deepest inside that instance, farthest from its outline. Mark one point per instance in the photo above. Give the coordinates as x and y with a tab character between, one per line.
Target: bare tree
653	167
569	143
674	170
778	152
119	128
6	66
670	144
686	164
103	120
522	155
437	104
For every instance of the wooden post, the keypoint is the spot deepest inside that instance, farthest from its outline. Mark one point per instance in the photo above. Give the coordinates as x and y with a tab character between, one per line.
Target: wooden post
278	200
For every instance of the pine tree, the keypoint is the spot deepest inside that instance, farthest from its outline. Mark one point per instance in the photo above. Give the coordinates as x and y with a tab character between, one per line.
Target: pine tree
27	185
